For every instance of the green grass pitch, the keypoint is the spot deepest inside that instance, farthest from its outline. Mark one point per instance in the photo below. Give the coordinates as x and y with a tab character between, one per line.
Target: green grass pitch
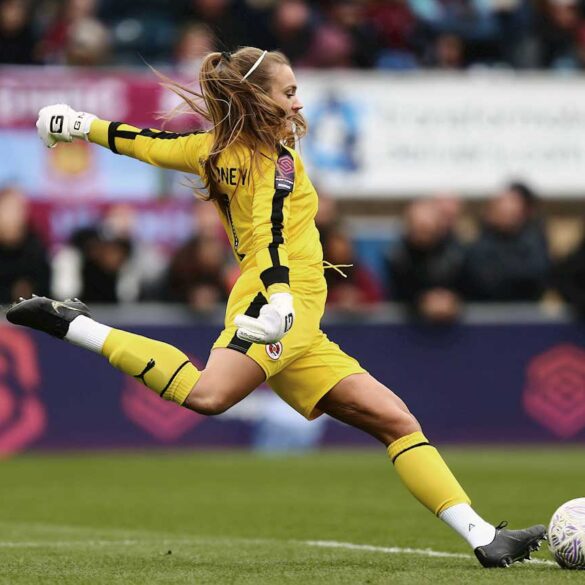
235	517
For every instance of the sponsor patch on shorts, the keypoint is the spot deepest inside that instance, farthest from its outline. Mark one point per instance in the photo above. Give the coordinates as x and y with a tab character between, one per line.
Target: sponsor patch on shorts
274	350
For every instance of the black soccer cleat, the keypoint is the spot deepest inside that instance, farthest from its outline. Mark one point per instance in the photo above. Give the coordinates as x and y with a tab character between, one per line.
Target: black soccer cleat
509	546
52	317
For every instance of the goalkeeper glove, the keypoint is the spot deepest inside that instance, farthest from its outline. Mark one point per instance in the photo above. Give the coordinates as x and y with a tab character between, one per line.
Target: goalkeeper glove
274	320
60	123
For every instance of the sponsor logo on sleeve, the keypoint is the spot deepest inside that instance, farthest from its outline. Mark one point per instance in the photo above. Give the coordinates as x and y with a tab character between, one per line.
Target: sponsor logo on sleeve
285	173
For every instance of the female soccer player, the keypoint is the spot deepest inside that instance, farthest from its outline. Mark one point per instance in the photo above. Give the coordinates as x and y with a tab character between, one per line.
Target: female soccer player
272	329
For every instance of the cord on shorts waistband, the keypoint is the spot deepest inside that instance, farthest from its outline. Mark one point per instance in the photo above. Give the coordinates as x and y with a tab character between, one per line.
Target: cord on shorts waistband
336	267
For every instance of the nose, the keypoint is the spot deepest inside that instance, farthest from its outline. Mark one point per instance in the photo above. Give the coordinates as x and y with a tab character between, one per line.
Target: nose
297	105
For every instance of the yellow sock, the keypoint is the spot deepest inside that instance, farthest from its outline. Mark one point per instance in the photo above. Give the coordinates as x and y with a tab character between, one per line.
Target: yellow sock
425	474
160	366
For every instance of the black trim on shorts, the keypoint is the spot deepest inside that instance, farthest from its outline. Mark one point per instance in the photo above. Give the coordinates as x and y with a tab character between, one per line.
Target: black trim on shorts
252	311
409	448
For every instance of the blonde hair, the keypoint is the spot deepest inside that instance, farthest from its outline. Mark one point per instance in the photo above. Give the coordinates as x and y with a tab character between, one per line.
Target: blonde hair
240	110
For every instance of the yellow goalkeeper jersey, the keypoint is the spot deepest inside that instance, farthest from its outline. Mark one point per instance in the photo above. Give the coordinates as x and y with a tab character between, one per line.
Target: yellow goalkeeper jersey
267	207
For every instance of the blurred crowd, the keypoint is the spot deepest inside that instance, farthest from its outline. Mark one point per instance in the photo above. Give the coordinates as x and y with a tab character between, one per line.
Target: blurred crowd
431	267
383	34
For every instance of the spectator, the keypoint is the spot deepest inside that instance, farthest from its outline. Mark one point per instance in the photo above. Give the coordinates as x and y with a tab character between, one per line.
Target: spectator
327	218
104	256
517	42
509	261
331	48
196	274
24	268
105	264
76	36
450	209
293	30
473	22
396	29
426	267
569	278
448	53
558	32
88	43
17	39
195	42
359	288
222	18
349	18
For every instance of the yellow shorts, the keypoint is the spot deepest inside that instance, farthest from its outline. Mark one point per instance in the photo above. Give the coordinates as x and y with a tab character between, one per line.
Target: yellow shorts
305	364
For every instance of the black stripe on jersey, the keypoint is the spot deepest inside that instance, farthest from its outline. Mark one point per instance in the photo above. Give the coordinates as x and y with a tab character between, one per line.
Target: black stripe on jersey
283	185
114	133
409	448
277	220
277	272
163	135
252	311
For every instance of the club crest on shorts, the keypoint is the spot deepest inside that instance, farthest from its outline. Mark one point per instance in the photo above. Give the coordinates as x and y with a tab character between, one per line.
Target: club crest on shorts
274	350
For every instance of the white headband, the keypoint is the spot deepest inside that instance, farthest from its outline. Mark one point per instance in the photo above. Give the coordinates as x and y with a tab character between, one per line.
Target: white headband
255	66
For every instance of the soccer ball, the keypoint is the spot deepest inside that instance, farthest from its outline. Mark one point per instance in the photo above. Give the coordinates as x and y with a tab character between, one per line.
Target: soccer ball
566	534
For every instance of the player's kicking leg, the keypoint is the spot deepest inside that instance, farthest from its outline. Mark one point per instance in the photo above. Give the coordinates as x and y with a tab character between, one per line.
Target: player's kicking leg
228	377
363	402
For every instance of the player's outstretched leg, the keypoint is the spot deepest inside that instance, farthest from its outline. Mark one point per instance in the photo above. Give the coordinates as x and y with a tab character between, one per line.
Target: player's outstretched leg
159	366
363	402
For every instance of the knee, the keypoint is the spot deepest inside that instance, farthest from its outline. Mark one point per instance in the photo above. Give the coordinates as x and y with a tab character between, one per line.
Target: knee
205	403
400	424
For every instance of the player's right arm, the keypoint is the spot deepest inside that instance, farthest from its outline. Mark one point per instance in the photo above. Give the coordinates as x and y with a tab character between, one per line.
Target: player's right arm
182	152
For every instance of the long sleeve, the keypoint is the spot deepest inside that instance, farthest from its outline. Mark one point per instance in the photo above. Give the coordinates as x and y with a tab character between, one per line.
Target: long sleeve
273	184
181	152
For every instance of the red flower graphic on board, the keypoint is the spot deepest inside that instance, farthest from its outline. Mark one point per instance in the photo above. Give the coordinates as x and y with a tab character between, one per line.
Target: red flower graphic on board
554	394
164	420
22	414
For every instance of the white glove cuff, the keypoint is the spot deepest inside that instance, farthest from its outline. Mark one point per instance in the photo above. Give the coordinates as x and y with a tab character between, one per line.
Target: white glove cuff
81	125
282	301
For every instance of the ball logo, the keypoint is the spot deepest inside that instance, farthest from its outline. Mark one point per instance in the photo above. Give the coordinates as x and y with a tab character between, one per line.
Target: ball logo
274	350
22	414
554	394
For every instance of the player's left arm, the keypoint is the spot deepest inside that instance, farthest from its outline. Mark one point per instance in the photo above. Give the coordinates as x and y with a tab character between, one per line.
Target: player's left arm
60	123
272	184
169	150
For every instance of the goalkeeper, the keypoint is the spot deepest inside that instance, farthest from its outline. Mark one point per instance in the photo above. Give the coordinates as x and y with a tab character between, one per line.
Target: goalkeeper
272	333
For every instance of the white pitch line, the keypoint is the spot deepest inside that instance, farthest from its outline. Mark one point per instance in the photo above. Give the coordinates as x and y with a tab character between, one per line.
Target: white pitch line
395	550
73	543
392	550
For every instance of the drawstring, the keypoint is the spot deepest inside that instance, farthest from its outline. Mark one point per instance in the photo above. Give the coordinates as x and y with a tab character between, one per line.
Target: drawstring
337	267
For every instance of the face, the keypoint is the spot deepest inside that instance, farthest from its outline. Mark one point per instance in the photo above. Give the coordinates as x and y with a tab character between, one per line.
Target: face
423	223
506	213
284	90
